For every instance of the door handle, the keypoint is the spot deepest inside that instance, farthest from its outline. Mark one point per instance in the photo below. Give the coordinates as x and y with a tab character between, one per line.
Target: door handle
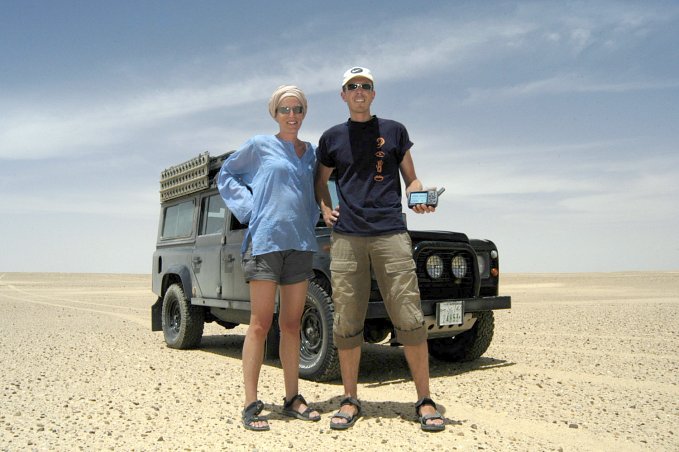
197	260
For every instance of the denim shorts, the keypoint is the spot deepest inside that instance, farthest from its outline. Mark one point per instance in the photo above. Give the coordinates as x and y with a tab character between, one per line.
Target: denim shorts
391	259
284	267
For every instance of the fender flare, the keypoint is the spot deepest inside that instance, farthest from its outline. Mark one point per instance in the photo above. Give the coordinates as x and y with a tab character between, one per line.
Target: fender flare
184	275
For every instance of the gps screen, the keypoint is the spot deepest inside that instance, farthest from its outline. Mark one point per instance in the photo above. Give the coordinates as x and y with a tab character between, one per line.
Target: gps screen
418	197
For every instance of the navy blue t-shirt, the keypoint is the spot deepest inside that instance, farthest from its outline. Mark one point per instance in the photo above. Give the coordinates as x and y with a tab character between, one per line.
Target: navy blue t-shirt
366	157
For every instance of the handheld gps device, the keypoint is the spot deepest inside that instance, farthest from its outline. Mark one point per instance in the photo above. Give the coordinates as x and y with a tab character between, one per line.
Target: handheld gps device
428	197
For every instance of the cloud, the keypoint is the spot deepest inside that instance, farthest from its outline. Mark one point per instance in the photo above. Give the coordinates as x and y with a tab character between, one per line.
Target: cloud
603	181
95	202
563	84
45	134
440	43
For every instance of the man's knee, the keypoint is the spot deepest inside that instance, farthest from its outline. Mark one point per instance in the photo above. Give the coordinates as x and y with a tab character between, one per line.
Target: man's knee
347	330
345	342
412	336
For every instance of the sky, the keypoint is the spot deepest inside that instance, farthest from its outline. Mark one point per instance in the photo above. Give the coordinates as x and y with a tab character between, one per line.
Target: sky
553	126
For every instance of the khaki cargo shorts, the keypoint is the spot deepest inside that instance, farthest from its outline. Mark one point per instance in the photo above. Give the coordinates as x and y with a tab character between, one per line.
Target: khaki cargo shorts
392	261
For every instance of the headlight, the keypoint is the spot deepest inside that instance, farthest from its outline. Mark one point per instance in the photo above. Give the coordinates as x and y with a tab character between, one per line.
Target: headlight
459	266
484	261
434	266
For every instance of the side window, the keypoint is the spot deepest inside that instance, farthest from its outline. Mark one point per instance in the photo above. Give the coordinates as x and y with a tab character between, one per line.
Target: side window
235	224
212	215
178	220
332	187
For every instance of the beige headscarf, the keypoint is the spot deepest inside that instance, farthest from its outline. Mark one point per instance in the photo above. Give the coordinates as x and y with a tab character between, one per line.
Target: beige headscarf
281	93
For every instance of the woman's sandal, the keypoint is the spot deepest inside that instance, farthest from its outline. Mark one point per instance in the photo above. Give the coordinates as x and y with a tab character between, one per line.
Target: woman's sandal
351	420
250	417
305	415
424	418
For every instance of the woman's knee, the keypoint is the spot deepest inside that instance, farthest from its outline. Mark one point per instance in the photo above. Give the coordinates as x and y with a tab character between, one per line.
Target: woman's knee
289	326
259	328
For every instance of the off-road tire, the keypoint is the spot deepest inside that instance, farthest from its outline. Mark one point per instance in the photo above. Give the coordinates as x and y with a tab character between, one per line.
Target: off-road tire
318	357
466	346
182	322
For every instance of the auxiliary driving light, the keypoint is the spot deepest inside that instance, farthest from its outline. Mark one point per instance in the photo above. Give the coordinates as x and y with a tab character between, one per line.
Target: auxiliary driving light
459	266
434	266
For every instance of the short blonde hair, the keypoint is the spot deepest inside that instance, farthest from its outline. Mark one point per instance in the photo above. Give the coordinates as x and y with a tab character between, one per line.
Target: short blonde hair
281	93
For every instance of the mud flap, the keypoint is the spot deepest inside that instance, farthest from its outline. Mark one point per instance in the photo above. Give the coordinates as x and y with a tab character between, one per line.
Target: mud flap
156	315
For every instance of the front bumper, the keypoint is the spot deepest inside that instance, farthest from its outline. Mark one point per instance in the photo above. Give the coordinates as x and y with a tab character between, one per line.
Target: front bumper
376	310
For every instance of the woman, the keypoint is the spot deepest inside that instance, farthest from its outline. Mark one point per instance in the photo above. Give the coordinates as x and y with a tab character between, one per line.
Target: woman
268	184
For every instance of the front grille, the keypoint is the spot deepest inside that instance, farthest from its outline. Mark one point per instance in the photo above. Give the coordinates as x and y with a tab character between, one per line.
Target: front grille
447	286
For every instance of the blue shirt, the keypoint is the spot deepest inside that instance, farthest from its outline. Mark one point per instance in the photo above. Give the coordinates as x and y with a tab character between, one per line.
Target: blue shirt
367	158
267	186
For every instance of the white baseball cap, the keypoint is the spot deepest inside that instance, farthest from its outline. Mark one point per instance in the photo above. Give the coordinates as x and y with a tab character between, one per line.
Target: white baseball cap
357	71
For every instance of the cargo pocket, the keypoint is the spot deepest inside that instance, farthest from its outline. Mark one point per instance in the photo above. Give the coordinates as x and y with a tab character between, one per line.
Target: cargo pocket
347	297
343	266
401	280
398	267
342	277
403	296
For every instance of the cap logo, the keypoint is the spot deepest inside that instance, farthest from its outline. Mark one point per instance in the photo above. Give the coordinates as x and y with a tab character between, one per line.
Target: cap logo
356	70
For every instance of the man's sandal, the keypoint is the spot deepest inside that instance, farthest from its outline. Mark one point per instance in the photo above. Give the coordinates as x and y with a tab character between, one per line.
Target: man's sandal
427	417
351	420
305	415
250	416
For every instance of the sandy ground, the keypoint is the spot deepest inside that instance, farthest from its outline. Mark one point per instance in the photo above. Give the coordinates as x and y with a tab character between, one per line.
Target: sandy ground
581	362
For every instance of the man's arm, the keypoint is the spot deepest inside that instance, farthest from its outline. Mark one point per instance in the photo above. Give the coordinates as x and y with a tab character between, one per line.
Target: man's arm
321	178
412	183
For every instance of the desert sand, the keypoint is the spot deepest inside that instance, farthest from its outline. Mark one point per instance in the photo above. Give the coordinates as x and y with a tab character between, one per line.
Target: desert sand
581	362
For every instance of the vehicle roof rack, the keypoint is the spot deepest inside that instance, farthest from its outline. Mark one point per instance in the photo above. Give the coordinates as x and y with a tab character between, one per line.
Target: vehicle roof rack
188	177
191	176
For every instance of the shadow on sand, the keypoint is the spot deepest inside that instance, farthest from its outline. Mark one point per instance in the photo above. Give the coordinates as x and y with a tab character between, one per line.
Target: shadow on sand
381	365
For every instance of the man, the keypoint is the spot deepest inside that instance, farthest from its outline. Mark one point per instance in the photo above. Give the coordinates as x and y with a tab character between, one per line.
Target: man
368	153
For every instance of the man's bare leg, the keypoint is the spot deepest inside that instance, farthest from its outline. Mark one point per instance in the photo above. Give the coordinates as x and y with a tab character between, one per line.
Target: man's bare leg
350	360
418	361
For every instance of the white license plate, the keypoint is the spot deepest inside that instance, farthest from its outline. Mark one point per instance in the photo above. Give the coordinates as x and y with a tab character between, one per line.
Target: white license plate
449	313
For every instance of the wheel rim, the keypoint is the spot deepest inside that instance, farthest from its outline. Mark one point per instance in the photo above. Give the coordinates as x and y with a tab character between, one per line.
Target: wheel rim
311	332
174	318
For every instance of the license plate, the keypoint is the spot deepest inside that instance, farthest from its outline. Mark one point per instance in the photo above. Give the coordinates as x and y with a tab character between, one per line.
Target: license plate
449	313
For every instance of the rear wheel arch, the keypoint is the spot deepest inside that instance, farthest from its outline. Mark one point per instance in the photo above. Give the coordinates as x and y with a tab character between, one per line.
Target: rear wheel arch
177	274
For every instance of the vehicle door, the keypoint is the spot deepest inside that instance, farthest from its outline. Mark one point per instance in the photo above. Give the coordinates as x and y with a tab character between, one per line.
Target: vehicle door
206	261
233	278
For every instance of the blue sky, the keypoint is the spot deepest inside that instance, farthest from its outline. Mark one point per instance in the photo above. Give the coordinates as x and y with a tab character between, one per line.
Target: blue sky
552	125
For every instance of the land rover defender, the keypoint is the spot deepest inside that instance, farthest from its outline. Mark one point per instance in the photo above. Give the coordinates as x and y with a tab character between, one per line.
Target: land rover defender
197	277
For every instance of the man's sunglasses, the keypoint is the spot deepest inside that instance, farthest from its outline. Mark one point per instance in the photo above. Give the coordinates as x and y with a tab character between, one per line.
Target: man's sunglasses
297	109
355	86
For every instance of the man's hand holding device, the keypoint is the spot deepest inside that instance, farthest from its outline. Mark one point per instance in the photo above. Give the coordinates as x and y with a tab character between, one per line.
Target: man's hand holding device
424	201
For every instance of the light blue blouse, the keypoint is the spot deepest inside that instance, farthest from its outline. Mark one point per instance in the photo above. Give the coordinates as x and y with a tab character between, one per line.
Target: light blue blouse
279	206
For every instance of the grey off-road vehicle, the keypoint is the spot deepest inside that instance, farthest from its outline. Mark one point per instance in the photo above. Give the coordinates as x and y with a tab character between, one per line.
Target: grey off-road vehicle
198	278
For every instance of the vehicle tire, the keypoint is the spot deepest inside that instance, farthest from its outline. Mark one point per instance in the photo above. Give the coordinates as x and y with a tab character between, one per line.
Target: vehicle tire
318	357
466	346
273	340
182	322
